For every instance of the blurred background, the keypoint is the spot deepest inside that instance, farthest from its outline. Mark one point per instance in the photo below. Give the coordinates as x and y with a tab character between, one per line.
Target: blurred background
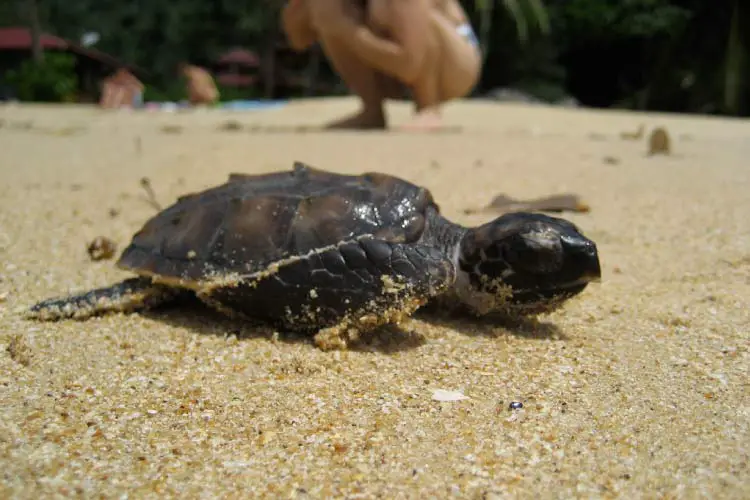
687	56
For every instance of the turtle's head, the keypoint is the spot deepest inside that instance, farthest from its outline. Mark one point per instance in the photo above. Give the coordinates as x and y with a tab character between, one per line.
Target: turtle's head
524	263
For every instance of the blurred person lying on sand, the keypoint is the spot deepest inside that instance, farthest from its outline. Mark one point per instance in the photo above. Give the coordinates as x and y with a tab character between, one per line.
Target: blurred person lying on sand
201	88
121	89
385	48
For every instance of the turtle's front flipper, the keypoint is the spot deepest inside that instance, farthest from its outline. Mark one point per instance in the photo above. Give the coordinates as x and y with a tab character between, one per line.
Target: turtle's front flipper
127	296
404	278
340	291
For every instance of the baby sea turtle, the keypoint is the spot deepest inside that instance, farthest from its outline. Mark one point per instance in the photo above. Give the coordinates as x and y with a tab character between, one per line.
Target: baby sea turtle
308	250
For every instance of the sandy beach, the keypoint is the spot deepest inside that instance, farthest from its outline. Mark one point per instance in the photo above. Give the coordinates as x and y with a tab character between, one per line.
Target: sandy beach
636	389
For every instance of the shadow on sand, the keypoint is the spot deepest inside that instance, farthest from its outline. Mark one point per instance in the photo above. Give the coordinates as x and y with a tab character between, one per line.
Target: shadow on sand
493	326
192	314
235	126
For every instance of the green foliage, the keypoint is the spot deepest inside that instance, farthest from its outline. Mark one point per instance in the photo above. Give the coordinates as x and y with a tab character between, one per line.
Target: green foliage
675	55
167	93
52	80
735	71
516	55
234	94
523	12
601	19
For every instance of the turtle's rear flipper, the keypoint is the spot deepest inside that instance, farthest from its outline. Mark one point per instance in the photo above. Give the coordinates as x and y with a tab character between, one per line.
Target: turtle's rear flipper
131	295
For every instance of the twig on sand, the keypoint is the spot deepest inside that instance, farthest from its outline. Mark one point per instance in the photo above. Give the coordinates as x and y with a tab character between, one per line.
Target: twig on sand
150	195
554	203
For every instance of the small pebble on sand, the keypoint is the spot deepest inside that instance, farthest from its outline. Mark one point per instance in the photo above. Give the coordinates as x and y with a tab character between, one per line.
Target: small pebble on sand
101	248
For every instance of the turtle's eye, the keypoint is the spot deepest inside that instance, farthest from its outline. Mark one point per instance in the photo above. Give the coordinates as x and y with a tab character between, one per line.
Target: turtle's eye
534	252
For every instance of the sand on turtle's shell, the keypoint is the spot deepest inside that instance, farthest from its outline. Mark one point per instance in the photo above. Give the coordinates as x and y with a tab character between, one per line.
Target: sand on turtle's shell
637	388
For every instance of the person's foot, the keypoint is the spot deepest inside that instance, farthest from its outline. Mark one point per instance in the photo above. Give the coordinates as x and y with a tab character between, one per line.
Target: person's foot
364	120
427	119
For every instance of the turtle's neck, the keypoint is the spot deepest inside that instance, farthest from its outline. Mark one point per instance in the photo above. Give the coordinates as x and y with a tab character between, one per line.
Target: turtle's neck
444	234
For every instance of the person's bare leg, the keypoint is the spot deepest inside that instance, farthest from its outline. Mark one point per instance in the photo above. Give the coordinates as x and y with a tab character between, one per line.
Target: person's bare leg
361	79
448	68
426	91
450	71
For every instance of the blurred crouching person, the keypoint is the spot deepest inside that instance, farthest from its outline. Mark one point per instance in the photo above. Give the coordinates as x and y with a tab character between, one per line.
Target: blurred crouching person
201	87
121	89
426	49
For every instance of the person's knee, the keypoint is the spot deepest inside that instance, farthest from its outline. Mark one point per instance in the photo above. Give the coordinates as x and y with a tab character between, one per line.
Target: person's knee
378	14
327	16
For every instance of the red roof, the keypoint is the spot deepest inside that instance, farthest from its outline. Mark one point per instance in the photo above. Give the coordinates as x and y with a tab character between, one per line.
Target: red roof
241	57
232	80
20	38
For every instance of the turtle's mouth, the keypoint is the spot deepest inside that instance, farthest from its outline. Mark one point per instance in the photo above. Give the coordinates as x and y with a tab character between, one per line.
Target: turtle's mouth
549	297
539	294
561	289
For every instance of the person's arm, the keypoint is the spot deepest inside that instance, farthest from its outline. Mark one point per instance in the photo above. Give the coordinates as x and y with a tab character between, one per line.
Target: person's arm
401	57
295	22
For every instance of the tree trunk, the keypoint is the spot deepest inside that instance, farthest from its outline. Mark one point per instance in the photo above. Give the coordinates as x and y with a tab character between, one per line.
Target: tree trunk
269	62
734	72
36	31
486	13
313	72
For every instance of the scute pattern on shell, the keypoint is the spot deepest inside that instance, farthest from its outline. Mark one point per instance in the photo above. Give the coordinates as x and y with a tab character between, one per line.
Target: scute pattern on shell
253	221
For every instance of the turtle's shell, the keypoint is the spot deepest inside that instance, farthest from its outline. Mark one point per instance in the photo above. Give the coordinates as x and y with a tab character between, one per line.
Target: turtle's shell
254	221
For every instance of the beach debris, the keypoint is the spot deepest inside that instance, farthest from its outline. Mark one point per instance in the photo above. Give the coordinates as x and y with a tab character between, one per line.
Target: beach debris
113	212
447	396
231	126
67	131
56	131
171	129
340	447
515	405
27	125
611	160
19	349
503	203
101	248
634	136
681	362
3	297
659	142
150	195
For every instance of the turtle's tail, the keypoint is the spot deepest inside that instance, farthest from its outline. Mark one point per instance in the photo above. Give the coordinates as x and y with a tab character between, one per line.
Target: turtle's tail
131	295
